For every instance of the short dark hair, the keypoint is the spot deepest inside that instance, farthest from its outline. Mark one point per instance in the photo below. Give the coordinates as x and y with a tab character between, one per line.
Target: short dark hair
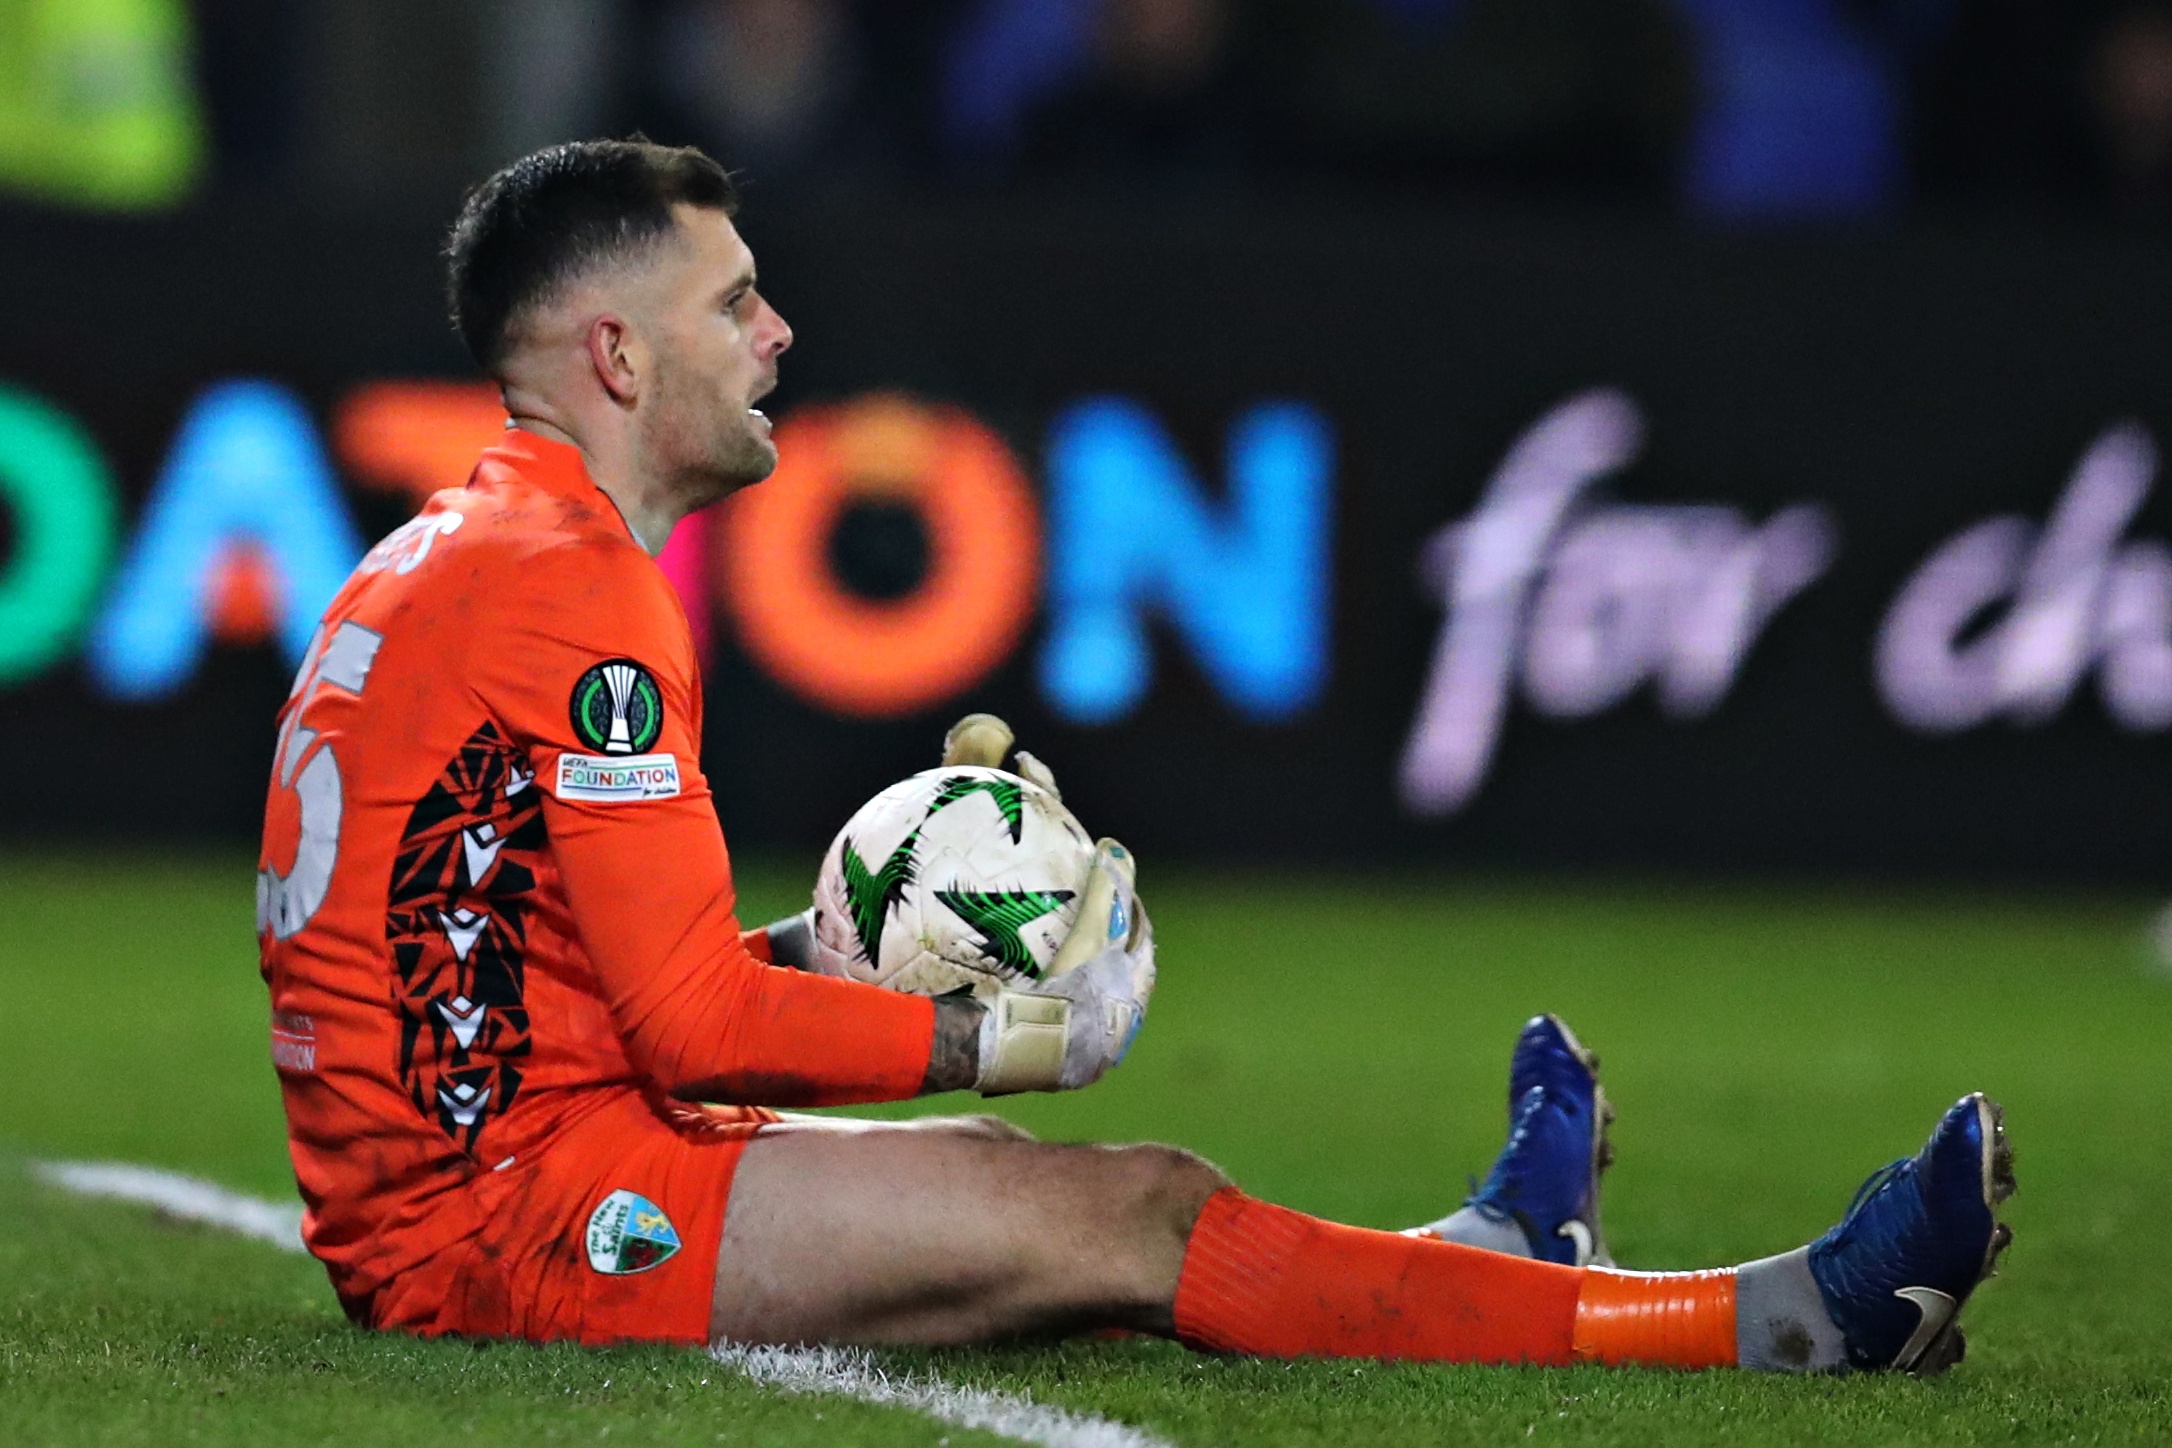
548	217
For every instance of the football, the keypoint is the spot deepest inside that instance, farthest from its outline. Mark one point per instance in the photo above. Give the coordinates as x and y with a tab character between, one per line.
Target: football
959	877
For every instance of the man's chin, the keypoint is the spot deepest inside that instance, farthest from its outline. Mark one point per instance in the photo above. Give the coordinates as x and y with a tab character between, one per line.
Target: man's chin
763	460
749	463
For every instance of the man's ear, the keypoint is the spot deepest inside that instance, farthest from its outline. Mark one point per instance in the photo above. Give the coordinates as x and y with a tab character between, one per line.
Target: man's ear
611	354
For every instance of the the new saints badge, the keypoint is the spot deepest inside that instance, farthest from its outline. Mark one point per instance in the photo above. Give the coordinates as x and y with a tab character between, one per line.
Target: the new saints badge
616	708
629	1233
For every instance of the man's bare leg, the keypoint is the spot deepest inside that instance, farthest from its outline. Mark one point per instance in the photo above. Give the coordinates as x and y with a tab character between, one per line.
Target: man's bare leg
952	1230
964	1231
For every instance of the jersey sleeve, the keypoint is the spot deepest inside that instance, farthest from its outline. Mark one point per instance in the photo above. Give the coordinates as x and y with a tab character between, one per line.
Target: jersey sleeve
589	667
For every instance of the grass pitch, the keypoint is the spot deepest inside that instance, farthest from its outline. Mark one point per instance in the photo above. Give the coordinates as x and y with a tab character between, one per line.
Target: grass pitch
1337	1046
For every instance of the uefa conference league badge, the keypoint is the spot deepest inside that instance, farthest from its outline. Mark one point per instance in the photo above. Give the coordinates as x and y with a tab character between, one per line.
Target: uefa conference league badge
628	1233
616	708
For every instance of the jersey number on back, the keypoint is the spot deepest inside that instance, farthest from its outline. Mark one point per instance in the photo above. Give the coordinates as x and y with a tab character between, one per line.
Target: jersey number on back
285	903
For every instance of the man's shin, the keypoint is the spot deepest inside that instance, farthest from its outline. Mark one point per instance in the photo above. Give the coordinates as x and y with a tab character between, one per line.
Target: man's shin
1262	1279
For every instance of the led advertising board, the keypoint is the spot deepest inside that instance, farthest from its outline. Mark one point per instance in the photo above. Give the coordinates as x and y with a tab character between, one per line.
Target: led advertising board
1516	543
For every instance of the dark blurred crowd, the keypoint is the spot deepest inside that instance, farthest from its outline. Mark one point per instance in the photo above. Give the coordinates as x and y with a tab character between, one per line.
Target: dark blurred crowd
1732	108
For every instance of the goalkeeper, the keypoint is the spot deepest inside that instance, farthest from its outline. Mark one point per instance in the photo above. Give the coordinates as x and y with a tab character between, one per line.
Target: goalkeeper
530	1064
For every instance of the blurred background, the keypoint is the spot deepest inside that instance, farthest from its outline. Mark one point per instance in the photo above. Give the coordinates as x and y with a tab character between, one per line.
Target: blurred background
1754	109
1714	435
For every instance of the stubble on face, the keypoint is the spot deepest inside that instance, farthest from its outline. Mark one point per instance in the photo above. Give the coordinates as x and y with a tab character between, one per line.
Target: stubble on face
700	431
706	445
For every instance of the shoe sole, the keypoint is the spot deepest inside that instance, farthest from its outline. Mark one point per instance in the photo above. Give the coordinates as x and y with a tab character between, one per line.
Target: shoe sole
1602	1145
1950	1346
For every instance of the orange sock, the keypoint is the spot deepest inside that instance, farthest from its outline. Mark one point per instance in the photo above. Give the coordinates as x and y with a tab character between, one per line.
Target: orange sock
1262	1279
1658	1319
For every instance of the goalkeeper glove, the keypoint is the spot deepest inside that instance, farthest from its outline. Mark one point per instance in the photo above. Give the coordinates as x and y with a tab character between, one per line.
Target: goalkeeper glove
985	740
1075	1024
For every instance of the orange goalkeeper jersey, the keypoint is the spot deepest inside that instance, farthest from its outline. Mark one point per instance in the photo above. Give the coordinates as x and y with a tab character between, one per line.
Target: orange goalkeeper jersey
493	894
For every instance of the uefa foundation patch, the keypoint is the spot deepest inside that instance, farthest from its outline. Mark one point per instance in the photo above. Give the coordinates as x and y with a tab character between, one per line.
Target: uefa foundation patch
629	1233
615	781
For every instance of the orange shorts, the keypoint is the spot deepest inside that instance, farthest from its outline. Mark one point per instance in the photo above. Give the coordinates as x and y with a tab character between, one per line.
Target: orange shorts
609	1234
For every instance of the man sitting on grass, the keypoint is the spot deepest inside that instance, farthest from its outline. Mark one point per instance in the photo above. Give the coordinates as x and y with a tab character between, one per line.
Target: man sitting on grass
529	1060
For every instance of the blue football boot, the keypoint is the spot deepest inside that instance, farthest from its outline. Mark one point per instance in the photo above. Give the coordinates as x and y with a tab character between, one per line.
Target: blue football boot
1548	1055
1546	1179
1919	1236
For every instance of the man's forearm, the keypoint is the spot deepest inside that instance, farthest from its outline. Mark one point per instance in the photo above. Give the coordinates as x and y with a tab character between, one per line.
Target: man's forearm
954	1059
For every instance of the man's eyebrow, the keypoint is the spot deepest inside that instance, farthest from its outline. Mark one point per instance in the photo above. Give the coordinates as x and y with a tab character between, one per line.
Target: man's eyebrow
743	282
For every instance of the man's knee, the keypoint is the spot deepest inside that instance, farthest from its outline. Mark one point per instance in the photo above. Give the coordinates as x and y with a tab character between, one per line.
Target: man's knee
1163	1188
1146	1199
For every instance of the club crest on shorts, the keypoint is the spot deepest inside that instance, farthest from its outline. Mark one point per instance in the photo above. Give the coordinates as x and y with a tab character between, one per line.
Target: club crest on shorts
617	708
629	1233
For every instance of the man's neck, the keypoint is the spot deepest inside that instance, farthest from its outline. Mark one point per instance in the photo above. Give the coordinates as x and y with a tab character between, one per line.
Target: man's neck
648	511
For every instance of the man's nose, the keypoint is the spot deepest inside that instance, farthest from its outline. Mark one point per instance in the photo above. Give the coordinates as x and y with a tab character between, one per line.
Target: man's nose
777	332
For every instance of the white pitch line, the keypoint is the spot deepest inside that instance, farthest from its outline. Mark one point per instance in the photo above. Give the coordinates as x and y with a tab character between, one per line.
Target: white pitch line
841	1372
192	1199
853	1373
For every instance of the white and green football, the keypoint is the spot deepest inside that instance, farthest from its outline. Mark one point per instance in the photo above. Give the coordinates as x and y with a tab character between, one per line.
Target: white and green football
959	877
